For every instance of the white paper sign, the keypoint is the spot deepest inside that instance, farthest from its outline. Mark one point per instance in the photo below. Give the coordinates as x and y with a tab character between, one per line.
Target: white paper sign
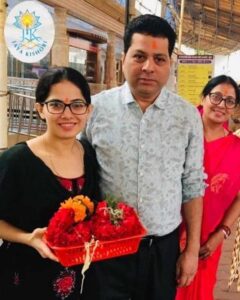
29	31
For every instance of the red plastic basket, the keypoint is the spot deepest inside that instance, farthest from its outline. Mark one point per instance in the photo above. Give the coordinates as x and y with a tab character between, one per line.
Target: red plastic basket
75	255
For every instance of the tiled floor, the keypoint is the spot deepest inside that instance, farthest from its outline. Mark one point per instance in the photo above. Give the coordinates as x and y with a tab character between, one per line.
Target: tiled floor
221	290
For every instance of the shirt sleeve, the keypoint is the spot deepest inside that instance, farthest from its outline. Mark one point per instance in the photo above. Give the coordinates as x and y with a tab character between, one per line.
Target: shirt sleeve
87	132
92	172
193	177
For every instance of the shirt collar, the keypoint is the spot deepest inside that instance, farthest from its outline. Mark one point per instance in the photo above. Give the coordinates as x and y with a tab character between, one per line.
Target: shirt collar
160	102
127	95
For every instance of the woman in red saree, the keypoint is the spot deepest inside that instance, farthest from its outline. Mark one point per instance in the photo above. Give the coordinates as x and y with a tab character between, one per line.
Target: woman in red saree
221	204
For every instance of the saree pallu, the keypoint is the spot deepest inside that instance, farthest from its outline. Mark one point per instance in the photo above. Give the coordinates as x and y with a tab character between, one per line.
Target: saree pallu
222	165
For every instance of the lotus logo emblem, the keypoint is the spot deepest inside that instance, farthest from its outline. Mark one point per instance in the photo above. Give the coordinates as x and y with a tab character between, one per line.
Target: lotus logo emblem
29	31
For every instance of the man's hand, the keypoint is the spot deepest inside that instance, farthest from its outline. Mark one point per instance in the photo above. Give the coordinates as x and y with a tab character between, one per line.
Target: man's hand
186	268
188	261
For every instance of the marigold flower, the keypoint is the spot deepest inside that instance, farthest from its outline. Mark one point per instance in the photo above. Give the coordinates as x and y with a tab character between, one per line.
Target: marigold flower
86	201
79	204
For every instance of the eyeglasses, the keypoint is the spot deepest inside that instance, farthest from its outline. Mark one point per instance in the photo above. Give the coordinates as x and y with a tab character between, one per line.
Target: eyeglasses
77	107
217	98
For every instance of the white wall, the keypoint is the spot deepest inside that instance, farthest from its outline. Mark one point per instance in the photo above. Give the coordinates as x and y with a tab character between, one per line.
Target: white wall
228	65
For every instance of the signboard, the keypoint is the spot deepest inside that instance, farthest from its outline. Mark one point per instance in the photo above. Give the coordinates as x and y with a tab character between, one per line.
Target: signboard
193	72
29	31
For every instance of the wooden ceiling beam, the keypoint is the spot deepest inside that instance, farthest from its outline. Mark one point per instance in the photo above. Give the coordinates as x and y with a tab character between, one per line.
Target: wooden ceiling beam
210	27
212	23
192	39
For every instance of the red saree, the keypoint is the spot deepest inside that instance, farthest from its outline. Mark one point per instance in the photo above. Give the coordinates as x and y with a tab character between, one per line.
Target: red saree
222	164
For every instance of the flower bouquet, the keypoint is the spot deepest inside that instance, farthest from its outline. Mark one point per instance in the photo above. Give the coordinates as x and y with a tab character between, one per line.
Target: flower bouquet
80	233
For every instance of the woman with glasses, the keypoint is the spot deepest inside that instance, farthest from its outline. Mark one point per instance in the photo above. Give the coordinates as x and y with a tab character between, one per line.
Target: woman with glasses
221	205
35	177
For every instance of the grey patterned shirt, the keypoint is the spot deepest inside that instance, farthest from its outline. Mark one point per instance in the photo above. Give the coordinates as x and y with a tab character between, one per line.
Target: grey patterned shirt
152	160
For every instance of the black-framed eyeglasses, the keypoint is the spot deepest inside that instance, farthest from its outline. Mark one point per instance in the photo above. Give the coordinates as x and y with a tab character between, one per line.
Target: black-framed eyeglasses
77	106
216	98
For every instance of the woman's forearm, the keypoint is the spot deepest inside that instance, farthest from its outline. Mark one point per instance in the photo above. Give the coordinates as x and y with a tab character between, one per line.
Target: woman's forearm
11	233
232	213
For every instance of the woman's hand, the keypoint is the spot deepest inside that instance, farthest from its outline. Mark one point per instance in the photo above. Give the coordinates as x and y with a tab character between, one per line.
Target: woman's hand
36	241
211	244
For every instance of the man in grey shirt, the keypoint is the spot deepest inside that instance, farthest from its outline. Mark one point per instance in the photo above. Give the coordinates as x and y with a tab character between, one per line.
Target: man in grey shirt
149	146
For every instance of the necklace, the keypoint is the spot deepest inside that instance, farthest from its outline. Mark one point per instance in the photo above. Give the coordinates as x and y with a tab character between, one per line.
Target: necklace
50	162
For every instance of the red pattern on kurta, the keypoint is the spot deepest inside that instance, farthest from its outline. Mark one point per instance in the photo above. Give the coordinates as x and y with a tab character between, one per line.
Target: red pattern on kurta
69	183
222	164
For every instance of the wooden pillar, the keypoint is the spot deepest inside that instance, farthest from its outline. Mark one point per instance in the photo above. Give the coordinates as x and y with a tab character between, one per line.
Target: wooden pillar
3	80
163	8
181	26
111	61
60	49
132	9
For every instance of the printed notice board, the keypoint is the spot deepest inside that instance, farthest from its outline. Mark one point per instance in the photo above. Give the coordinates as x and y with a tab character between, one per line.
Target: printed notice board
193	72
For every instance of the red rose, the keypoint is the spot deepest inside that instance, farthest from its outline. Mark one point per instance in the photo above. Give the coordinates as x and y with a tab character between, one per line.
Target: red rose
108	223
104	229
60	222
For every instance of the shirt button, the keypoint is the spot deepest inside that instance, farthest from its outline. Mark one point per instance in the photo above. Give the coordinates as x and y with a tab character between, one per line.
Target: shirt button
140	200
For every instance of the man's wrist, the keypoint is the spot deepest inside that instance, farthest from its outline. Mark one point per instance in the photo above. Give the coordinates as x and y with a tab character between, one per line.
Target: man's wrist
193	247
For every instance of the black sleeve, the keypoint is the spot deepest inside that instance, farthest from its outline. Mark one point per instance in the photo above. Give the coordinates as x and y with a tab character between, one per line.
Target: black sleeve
10	185
92	172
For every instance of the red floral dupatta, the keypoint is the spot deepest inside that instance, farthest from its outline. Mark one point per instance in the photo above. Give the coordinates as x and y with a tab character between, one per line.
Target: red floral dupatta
222	165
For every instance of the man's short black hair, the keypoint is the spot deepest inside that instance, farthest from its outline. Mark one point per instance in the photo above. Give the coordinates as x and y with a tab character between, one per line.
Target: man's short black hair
149	25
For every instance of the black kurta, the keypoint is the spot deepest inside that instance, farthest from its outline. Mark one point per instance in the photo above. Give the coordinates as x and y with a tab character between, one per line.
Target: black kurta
29	195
